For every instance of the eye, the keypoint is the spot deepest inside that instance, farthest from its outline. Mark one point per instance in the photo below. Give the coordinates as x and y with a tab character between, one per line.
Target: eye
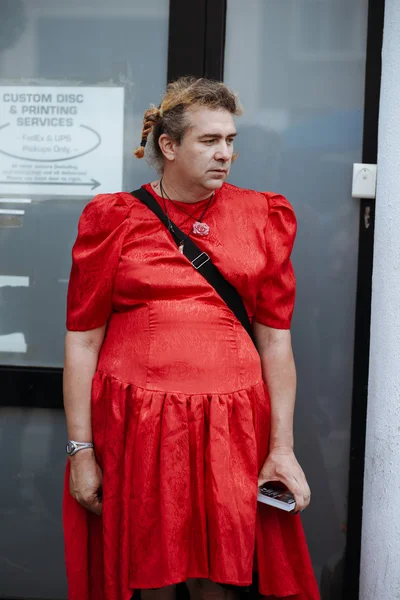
229	141
209	142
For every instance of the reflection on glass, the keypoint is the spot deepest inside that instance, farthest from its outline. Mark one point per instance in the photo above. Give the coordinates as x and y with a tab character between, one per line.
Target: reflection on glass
300	76
99	45
53	47
30	503
10	342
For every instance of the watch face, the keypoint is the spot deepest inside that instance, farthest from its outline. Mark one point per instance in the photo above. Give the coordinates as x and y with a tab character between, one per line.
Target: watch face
70	447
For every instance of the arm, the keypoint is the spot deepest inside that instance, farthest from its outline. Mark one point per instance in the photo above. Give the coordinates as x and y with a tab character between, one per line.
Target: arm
81	355
275	348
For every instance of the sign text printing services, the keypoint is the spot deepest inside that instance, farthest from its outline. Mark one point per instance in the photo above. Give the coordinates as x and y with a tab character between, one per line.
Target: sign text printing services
61	140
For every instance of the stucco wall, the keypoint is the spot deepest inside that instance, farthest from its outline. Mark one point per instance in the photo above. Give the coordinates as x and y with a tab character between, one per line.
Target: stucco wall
380	559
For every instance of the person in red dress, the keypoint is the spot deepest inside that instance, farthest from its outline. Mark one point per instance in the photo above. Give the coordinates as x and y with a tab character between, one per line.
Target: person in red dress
179	415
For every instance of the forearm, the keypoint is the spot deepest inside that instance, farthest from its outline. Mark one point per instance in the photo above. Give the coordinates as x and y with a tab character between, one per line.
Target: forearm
81	356
279	373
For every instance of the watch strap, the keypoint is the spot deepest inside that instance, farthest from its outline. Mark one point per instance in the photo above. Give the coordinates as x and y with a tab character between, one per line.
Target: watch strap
74	447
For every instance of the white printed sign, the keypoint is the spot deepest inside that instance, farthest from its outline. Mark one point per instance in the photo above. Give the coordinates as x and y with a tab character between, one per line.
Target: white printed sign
64	141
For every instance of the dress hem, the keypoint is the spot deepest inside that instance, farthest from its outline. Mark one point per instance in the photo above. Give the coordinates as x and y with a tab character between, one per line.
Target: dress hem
199	576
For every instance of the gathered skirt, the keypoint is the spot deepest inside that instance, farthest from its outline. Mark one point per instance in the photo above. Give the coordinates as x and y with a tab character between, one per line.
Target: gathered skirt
180	497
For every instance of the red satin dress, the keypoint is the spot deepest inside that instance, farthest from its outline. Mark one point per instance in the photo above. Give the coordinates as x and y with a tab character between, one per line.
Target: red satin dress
180	411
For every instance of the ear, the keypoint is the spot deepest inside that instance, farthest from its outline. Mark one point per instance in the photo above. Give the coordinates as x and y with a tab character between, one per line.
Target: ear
167	146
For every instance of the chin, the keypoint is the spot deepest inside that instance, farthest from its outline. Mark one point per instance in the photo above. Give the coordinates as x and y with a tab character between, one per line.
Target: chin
214	184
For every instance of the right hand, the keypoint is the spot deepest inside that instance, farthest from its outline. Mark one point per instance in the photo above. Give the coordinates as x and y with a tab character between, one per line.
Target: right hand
86	480
281	465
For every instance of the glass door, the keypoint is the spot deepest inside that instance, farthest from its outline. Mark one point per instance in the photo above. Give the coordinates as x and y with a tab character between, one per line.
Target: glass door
300	75
75	80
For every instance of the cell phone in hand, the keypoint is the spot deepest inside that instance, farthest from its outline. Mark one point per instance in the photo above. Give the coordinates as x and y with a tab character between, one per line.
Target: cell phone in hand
277	495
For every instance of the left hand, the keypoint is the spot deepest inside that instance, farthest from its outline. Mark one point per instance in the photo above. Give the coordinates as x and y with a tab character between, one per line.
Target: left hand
281	465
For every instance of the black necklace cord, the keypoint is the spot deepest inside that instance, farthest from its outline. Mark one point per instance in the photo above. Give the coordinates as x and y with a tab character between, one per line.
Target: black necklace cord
200	219
170	226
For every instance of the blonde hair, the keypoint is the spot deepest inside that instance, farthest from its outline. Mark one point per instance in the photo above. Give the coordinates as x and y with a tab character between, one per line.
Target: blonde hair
170	116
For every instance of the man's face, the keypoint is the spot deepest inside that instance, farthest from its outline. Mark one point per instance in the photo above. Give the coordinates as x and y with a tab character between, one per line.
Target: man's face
205	155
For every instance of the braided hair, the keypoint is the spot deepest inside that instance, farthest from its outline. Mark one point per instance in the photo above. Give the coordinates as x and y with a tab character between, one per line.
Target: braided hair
171	116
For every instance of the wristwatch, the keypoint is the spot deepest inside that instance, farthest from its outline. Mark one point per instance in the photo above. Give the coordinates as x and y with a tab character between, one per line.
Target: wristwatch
74	447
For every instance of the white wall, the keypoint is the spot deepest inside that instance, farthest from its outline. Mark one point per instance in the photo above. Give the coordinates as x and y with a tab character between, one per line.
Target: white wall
380	566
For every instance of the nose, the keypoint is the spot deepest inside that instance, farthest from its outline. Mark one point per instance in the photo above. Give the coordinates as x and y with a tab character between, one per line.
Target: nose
223	152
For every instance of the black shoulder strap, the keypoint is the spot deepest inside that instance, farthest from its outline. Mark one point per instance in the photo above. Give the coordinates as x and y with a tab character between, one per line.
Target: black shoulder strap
201	262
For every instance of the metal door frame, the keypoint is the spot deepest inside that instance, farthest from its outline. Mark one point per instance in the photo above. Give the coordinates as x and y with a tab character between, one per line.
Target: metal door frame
376	11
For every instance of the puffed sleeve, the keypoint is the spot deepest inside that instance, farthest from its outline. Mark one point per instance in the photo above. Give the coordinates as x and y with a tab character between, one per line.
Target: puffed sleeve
275	300
95	257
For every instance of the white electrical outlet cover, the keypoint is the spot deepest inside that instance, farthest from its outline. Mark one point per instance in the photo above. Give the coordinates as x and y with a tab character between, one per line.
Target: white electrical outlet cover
364	180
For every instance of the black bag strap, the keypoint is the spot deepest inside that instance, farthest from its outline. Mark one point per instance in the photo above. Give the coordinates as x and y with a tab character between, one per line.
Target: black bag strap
200	261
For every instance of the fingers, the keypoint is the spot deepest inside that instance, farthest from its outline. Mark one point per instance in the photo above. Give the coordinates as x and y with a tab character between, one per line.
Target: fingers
96	508
86	483
285	469
297	484
264	478
89	498
302	496
91	503
268	473
296	490
302	504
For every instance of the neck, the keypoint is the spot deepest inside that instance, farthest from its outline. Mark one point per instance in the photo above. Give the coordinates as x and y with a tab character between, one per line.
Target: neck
183	192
